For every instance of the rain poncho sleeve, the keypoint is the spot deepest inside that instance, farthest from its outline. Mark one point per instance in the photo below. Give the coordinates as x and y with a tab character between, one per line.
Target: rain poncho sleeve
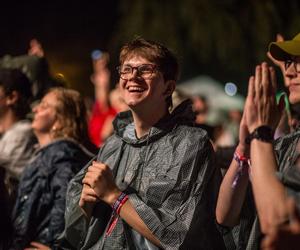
177	208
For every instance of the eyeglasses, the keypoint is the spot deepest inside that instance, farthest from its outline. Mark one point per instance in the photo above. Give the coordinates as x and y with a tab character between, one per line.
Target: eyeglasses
144	70
291	61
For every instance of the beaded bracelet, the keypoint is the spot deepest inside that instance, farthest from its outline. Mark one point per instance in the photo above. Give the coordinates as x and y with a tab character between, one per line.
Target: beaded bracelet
243	162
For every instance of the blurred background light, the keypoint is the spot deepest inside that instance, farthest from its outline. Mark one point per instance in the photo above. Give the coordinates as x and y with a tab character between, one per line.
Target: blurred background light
230	89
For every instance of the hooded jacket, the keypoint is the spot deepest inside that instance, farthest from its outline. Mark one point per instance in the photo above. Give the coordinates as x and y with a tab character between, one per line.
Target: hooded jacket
170	180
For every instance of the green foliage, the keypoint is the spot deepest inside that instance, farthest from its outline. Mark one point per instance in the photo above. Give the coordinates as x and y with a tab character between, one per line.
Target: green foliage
222	38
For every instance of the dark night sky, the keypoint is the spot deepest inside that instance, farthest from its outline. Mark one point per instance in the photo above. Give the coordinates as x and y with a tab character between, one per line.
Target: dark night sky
68	31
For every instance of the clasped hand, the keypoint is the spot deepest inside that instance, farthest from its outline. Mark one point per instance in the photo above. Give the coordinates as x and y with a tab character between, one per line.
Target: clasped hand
98	183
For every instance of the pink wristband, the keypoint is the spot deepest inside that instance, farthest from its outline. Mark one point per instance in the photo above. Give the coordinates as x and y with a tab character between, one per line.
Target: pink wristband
244	162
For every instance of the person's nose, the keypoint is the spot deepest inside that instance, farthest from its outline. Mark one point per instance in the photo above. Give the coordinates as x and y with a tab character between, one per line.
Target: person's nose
291	72
35	108
134	74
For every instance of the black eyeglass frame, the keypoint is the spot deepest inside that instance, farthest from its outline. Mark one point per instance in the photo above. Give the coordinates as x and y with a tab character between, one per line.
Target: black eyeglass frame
292	60
139	72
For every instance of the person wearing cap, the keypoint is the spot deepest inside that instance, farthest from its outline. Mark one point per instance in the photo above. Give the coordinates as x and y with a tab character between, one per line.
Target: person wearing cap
259	205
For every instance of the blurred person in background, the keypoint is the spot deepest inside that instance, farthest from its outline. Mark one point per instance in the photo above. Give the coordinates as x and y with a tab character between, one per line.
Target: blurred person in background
35	66
5	216
200	107
234	120
178	97
117	103
17	139
220	124
116	100
60	126
100	122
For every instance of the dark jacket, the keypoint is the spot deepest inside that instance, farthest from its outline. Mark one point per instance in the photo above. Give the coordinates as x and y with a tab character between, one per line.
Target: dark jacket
39	210
171	183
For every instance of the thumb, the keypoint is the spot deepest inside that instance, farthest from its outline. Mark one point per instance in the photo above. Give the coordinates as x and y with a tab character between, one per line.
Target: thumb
293	215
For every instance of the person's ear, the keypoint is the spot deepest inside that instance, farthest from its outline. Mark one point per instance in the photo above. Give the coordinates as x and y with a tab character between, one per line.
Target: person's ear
170	87
56	128
12	98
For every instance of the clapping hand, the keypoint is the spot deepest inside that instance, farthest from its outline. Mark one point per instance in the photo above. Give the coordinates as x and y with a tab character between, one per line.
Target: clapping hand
261	108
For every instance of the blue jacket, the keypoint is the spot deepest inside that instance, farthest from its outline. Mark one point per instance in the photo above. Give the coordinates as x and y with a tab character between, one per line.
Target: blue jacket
39	210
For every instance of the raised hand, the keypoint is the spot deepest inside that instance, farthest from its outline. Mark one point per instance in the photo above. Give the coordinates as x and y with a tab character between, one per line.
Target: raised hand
35	48
243	148
262	108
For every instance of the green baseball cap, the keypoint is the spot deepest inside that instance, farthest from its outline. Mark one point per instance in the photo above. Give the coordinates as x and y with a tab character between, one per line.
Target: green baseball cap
284	50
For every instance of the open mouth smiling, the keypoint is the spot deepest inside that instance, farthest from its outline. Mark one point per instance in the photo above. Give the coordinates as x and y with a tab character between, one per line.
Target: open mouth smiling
134	89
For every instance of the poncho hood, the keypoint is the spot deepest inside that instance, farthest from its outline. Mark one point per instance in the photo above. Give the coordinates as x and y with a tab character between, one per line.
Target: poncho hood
124	126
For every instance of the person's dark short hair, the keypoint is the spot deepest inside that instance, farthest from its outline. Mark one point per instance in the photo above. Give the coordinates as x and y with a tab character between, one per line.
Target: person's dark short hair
156	53
14	80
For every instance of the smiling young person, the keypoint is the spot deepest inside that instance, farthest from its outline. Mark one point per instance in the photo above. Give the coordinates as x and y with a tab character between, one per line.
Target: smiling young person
153	185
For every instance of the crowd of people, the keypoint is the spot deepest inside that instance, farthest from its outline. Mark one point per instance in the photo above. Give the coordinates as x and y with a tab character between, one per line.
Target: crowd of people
142	169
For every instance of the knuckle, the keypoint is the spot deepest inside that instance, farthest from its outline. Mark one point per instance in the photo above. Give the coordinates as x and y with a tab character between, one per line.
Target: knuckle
102	167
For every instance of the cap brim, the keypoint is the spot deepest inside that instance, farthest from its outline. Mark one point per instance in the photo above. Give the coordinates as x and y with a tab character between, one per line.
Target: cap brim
284	50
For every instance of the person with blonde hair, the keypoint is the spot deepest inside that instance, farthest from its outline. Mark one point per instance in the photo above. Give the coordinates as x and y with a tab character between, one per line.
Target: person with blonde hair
61	129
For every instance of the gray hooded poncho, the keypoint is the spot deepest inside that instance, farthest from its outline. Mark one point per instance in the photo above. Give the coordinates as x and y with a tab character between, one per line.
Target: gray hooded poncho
171	183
